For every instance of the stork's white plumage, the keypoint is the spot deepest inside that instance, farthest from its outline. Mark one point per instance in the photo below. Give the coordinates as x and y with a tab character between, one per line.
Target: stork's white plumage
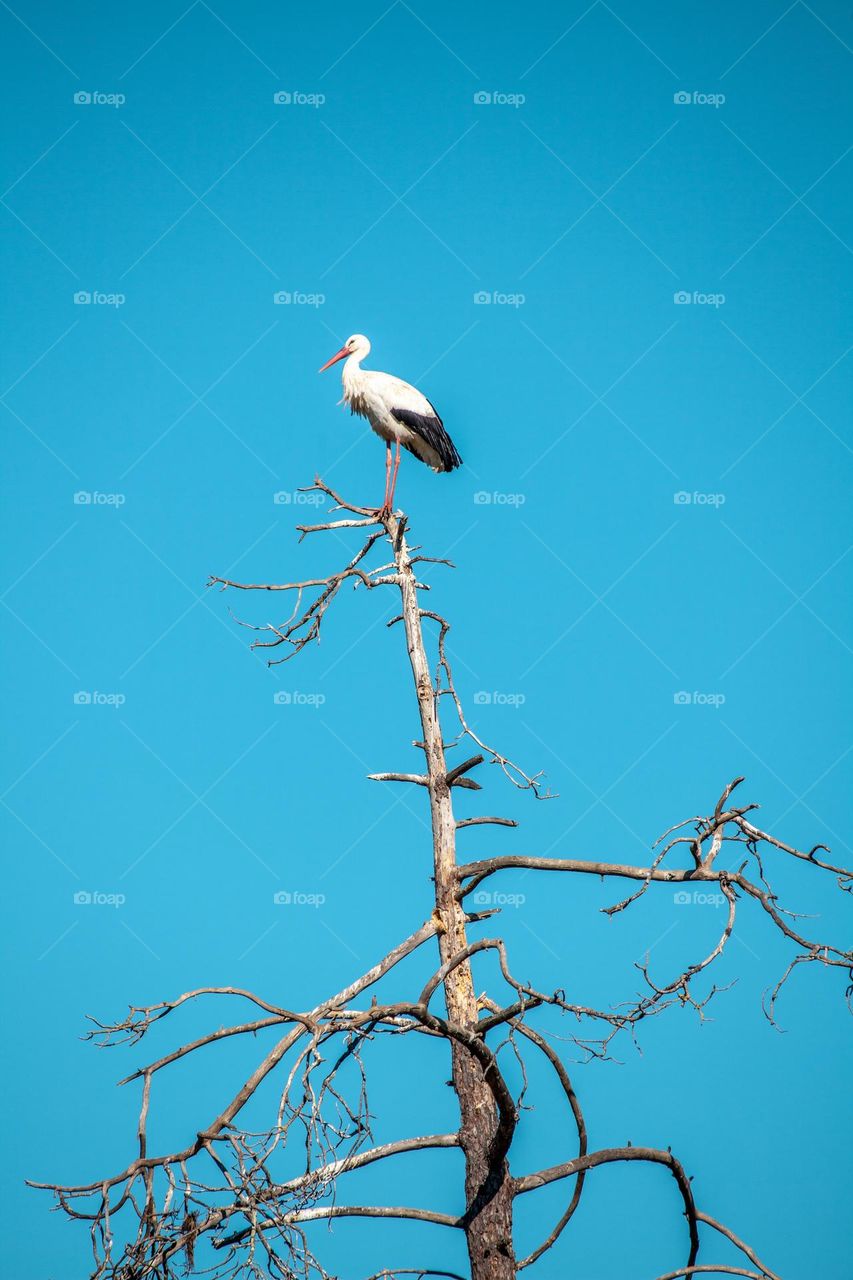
396	411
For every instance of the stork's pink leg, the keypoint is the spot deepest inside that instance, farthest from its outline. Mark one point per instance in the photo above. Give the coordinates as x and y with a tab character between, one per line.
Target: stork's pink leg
385	510
394	477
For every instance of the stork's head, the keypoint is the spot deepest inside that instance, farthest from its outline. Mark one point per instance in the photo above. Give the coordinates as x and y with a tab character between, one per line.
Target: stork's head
357	346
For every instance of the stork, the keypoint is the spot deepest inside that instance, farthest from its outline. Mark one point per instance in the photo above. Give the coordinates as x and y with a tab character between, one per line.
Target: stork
397	412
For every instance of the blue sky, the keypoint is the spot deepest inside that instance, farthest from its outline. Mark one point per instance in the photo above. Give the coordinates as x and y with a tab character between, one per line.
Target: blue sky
622	280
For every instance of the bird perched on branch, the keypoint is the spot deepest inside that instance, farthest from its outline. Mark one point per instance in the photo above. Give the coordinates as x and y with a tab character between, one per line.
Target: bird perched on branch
397	412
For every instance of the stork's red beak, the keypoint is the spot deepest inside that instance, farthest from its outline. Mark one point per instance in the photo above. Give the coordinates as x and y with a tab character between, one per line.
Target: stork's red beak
339	355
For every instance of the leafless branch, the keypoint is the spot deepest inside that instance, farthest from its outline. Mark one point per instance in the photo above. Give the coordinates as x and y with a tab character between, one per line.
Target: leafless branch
704	847
533	1181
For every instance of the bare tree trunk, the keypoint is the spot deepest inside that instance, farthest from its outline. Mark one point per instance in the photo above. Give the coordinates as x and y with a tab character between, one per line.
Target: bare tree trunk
488	1190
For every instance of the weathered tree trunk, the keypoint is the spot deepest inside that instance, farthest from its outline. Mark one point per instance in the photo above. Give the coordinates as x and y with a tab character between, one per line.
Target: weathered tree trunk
488	1219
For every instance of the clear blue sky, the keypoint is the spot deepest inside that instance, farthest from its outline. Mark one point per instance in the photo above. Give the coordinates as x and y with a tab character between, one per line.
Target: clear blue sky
582	397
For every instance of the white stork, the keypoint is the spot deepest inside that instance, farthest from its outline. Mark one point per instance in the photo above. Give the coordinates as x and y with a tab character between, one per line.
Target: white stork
397	412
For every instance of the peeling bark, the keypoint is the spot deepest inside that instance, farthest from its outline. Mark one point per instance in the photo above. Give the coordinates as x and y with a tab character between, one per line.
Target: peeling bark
488	1186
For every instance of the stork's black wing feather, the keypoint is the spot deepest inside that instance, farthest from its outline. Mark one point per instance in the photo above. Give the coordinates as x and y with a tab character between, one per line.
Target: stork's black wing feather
431	429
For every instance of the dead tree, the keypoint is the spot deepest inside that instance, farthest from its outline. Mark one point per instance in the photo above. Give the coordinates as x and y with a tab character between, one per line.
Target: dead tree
236	1201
